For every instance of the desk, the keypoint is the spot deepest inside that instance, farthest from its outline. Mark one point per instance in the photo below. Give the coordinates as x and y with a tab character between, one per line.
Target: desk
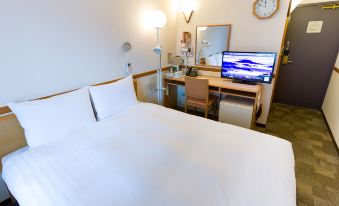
217	85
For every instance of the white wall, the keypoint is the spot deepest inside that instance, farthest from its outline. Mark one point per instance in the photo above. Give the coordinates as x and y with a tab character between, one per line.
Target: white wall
248	32
58	45
331	104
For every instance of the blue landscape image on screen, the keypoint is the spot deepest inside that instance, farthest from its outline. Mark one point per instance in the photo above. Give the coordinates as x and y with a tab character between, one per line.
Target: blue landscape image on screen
248	66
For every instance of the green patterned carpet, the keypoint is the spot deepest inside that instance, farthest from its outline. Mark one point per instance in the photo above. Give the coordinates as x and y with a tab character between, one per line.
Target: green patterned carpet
317	161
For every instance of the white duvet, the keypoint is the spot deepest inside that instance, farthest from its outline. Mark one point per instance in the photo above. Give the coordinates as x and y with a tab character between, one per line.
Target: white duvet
152	156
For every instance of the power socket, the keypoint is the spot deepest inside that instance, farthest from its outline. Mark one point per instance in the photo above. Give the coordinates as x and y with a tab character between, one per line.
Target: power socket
129	69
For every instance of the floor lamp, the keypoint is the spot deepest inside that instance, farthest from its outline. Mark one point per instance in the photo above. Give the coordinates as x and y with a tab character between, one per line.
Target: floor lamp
159	21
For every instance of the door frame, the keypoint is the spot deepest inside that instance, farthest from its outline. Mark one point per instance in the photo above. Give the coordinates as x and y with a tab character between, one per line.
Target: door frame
288	19
282	47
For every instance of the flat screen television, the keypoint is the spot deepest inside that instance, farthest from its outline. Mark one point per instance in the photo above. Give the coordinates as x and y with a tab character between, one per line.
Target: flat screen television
248	67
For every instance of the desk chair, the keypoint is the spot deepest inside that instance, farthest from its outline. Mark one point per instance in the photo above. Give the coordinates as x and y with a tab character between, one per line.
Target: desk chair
197	94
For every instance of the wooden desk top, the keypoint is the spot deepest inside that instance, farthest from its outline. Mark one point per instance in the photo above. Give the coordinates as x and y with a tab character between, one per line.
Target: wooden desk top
223	83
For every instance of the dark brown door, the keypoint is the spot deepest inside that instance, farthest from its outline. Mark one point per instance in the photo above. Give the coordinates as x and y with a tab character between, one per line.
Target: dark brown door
304	81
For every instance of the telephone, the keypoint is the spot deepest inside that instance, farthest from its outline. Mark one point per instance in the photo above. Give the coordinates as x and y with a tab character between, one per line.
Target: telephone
192	72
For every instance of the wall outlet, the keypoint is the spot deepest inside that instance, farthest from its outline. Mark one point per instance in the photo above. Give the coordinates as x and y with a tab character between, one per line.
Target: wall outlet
129	69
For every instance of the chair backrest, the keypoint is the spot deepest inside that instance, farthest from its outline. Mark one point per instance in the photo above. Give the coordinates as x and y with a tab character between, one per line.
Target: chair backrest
197	88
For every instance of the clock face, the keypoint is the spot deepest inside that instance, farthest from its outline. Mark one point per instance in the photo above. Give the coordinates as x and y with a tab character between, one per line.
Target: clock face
266	8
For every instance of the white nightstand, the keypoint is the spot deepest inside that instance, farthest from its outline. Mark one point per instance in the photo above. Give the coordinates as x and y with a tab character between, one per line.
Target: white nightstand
4	195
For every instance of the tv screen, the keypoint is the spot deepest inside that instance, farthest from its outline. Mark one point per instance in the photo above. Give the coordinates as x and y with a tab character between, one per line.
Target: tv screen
249	66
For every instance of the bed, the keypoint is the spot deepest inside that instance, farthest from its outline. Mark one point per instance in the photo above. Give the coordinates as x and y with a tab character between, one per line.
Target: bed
150	155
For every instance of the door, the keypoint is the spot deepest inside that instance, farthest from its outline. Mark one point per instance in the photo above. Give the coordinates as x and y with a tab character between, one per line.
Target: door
304	81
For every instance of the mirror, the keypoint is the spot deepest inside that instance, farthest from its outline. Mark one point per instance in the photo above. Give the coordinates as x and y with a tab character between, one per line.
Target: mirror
211	41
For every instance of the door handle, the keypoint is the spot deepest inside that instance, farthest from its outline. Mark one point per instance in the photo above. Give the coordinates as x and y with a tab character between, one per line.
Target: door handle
287	62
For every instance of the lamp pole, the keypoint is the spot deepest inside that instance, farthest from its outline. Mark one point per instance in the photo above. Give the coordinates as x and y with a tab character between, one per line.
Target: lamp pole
158	19
160	89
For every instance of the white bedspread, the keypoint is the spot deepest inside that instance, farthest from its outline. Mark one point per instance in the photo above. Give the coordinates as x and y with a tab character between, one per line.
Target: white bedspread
152	156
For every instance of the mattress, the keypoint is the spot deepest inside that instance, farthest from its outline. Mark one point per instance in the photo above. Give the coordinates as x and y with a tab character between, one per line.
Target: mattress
149	155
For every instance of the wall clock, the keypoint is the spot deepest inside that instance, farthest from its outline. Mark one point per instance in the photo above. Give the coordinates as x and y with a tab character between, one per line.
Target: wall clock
127	46
264	9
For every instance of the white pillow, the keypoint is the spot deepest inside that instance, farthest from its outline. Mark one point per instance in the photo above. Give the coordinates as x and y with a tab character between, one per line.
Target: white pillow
210	60
47	120
112	98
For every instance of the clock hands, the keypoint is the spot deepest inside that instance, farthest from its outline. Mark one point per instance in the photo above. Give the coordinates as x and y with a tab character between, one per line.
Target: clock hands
259	4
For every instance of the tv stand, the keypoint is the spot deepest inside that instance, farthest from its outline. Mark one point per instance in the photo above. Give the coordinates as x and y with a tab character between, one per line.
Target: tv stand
244	82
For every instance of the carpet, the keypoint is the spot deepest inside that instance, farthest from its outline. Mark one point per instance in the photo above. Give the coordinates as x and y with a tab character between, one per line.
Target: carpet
317	161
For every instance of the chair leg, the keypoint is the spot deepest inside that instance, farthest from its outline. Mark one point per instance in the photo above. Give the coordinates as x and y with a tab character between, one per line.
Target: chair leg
206	111
185	108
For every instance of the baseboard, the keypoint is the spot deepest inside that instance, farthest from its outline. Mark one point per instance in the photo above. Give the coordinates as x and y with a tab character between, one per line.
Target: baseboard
331	134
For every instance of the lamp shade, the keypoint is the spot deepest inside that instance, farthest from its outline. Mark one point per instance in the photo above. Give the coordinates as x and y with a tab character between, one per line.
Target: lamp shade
158	19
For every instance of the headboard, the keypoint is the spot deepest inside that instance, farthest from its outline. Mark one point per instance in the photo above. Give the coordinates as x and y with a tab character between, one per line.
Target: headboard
12	135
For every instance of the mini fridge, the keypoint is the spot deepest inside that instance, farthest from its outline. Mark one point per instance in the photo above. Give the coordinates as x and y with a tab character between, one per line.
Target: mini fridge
236	111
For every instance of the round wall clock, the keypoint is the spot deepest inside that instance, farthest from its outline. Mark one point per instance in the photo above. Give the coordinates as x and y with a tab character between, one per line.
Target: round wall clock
127	46
264	9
